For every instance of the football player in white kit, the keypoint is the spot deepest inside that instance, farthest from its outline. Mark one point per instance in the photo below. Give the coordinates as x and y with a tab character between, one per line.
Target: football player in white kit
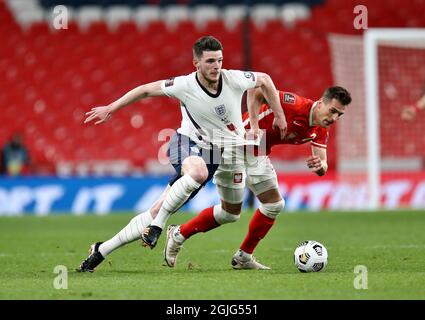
211	128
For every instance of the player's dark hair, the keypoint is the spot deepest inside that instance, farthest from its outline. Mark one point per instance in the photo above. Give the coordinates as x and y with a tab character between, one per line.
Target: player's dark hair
339	93
207	43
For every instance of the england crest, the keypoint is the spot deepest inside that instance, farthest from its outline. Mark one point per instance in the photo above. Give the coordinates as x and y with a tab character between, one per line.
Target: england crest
220	110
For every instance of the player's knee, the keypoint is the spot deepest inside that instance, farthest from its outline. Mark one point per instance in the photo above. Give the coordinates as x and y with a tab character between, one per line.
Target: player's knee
155	209
272	210
199	174
221	216
196	168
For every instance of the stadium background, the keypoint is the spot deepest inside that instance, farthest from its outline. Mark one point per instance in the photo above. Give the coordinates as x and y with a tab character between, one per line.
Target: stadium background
50	78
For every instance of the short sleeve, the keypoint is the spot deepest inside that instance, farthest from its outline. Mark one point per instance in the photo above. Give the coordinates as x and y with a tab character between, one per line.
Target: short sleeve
244	80
321	139
175	87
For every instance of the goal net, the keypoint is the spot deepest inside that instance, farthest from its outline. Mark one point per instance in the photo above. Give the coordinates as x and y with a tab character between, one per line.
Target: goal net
381	157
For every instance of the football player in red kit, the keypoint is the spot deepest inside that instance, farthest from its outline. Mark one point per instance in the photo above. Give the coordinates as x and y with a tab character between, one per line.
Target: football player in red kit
300	127
307	121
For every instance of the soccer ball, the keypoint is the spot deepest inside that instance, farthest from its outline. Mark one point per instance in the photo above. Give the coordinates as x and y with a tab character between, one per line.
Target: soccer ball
310	256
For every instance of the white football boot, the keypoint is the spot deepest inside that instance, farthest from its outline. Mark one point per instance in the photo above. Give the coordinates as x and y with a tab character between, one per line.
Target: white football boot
242	260
172	247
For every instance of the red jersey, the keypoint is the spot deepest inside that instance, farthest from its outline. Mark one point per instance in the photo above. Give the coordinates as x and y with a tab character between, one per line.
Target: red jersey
298	113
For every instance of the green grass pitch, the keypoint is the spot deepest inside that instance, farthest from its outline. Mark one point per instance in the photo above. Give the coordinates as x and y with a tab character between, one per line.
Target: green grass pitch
390	244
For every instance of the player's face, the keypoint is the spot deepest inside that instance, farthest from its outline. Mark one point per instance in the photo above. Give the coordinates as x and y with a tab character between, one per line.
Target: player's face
329	113
209	65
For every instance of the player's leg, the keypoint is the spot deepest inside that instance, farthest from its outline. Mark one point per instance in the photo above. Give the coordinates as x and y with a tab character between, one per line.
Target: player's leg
193	172
230	185
131	232
135	228
208	219
260	224
263	182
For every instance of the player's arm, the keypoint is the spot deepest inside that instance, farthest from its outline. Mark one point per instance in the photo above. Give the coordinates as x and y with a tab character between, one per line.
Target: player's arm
255	99
410	112
103	113
272	96
317	162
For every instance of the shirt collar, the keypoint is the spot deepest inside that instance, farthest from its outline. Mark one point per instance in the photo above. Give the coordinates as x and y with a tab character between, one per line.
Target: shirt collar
311	114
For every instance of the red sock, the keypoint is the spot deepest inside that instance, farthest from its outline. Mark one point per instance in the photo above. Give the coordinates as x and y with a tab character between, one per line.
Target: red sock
259	226
203	222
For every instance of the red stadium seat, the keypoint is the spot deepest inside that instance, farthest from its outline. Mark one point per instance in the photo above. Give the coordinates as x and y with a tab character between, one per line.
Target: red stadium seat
52	77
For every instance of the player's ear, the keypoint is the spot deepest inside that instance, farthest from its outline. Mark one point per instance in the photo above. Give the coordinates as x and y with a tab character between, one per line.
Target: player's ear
196	62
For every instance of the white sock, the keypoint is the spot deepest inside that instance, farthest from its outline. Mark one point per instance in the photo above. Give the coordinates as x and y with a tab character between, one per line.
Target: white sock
129	233
177	195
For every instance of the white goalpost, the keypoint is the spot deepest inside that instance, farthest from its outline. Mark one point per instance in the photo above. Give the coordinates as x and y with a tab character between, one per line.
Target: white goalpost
373	38
384	70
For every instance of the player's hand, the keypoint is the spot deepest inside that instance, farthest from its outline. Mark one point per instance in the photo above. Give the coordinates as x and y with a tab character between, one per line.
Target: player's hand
103	114
280	123
253	134
408	113
314	163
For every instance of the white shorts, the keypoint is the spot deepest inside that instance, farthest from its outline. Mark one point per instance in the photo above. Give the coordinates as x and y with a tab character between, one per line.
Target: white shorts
256	172
261	176
232	170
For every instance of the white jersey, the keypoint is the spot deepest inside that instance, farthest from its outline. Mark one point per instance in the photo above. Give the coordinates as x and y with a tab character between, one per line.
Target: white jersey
212	118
